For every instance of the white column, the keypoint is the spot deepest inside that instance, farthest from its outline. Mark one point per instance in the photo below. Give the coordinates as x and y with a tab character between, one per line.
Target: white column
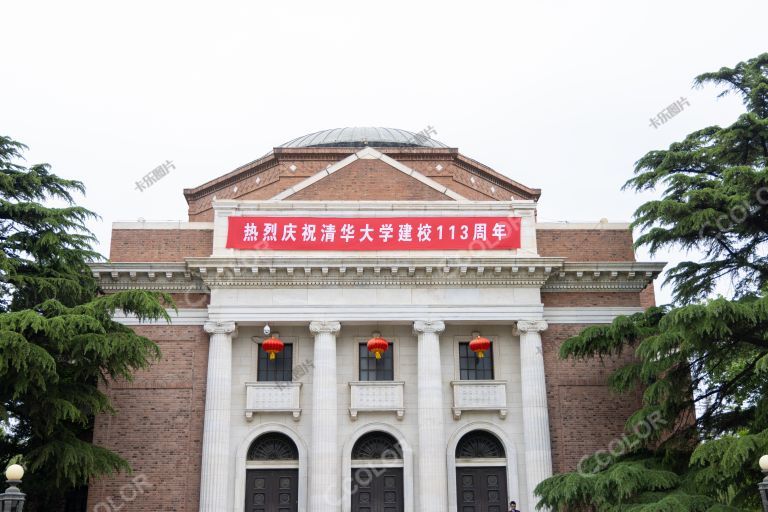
538	454
214	479
324	458
433	475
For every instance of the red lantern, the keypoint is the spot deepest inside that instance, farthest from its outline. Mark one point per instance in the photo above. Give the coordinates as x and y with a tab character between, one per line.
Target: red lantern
377	345
272	346
479	345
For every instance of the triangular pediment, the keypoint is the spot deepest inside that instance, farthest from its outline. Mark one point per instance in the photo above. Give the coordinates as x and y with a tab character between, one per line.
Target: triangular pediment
368	175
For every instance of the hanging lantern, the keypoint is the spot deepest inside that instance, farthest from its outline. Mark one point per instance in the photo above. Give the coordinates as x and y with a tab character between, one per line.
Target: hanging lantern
272	346
377	345
479	346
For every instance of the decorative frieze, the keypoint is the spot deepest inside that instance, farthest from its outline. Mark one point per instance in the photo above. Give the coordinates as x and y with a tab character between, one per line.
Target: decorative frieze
603	277
199	275
166	277
377	272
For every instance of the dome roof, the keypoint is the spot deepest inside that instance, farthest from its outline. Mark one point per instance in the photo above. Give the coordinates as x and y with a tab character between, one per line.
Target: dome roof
359	137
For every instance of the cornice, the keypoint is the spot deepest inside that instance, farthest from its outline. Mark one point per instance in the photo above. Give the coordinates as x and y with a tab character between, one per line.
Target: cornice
199	275
226	207
603	277
166	277
369	271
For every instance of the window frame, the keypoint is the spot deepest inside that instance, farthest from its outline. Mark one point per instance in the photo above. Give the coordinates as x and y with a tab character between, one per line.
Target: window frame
497	355
263	356
393	348
389	355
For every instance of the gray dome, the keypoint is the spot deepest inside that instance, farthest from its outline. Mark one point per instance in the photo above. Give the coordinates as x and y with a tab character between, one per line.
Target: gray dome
359	137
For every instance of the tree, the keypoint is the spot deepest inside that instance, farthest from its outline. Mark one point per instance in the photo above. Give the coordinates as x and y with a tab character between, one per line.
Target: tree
58	341
702	362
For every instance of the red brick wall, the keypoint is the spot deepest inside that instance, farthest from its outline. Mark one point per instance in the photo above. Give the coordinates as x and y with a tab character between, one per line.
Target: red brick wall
261	186
152	245
586	244
369	180
158	427
648	296
590	299
584	415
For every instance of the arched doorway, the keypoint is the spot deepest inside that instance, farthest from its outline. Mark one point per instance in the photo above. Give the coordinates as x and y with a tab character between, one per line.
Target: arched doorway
272	474
377	474
481	473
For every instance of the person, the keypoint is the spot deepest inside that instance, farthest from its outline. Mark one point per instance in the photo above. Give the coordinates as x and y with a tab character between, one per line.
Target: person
512	507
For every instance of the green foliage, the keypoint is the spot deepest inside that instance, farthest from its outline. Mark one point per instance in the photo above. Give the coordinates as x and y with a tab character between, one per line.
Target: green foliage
716	191
702	364
58	342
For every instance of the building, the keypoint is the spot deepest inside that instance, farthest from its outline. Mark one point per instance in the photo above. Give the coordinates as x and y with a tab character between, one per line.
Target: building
328	239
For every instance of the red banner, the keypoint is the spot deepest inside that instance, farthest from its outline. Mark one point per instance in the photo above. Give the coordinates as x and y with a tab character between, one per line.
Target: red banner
373	233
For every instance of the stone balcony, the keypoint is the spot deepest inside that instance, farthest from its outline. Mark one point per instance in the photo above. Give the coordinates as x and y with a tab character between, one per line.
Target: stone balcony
270	397
479	395
376	396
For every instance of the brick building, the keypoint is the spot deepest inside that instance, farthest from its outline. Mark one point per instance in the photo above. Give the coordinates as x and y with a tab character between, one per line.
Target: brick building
329	239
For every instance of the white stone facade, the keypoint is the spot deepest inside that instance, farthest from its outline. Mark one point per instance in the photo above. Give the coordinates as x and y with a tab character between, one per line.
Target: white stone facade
426	303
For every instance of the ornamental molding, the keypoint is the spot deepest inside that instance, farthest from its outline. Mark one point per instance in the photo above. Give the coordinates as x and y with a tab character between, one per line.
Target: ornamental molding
373	271
517	208
220	327
428	326
200	275
531	326
603	277
165	277
324	327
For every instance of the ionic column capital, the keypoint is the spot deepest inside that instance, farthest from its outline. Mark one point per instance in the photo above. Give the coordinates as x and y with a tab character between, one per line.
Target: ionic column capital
532	326
428	326
324	327
216	327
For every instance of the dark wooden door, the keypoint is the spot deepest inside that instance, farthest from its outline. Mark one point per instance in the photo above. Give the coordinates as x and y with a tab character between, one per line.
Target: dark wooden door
481	489
378	490
272	490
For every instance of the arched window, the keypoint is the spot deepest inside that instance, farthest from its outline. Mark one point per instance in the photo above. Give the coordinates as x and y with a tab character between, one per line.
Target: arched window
480	444
273	446
377	445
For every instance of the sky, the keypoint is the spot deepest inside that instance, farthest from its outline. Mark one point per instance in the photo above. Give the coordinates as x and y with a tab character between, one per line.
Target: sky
557	95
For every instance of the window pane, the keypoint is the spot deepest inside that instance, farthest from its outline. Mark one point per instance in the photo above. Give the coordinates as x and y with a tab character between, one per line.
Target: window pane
372	369
279	369
472	367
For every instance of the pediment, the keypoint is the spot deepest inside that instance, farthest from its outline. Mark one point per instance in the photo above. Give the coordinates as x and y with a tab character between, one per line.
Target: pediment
368	175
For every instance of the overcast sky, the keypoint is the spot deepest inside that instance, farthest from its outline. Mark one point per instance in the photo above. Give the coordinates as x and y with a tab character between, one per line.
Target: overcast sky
556	95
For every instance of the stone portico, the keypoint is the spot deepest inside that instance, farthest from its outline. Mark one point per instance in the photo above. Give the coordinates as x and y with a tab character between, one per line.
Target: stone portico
325	305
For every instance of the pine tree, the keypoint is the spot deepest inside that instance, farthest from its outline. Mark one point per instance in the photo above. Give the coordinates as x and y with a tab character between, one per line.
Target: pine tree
58	342
701	362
